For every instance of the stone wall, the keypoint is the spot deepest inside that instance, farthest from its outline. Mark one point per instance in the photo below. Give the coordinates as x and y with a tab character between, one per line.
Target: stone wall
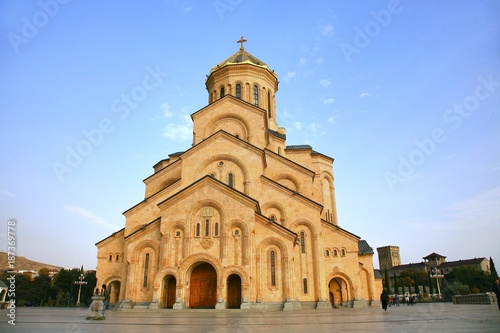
474	299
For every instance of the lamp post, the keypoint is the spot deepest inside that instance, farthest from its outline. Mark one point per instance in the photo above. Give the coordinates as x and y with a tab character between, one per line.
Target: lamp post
80	282
436	274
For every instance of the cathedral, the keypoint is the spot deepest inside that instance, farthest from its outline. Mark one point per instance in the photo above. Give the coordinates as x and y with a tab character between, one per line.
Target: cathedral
241	219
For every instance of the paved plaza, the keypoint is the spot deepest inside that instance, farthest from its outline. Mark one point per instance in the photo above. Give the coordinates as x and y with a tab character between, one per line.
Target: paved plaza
443	317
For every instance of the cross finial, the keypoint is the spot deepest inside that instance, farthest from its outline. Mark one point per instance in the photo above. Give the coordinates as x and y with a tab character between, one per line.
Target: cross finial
241	41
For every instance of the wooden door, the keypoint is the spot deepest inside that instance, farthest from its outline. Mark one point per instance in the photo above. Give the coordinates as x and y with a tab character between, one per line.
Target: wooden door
234	292
203	287
171	288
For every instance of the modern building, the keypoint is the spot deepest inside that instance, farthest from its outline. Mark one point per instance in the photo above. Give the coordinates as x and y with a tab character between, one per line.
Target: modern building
241	219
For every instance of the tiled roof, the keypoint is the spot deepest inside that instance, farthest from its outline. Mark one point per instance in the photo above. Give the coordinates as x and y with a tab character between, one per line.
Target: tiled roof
298	147
364	248
277	134
377	273
465	262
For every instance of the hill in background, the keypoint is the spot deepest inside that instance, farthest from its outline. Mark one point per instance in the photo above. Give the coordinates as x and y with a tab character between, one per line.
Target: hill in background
23	263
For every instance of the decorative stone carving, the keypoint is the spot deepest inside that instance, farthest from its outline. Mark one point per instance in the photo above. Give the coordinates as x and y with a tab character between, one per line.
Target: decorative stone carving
206	243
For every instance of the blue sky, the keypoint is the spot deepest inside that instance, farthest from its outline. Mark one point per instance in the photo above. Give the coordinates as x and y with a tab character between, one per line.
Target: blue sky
404	95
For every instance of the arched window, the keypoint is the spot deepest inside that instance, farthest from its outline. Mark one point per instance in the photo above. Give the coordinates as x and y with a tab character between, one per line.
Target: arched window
302	242
272	260
207	227
146	269
269	104
230	179
327	253
197	232
238	91
343	253
304	282
117	257
256	95
221	92
216	229
110	257
335	253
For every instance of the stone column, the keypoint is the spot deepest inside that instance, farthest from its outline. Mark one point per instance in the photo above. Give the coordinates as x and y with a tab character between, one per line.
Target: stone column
96	307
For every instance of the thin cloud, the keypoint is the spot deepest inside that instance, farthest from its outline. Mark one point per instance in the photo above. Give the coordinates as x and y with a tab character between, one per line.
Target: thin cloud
329	101
302	61
326	29
331	120
88	215
289	76
319	61
313	127
365	94
181	131
324	82
166	110
6	193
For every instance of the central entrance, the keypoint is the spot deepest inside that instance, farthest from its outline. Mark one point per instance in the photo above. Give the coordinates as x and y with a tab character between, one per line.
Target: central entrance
203	287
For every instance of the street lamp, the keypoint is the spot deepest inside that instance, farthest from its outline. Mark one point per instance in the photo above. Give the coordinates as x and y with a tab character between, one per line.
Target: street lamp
80	282
436	274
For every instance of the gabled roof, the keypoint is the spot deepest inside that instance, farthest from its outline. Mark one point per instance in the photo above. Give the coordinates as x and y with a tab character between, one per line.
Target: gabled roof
223	185
433	255
111	236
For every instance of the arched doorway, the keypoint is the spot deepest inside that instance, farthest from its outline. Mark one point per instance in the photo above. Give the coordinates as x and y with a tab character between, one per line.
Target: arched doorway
233	291
203	287
335	292
168	292
114	292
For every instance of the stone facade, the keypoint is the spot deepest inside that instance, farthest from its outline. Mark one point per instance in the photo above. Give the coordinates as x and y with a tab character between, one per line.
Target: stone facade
240	220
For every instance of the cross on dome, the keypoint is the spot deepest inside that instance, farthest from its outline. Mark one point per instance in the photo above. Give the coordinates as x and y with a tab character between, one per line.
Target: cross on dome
241	41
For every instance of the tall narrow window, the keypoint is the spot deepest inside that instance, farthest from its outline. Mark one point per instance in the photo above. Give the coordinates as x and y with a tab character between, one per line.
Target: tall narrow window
273	268
304	281
221	92
216	229
238	91
302	242
146	269
255	95
269	104
230	179
197	233
207	227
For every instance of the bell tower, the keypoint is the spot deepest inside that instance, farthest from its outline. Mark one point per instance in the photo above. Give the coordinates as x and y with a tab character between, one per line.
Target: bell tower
245	77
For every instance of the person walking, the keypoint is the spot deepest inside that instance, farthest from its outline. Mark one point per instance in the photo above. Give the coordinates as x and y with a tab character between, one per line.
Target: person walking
396	300
105	301
496	290
384	299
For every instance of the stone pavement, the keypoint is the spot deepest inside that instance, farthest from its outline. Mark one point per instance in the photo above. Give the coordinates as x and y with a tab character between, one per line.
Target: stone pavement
436	318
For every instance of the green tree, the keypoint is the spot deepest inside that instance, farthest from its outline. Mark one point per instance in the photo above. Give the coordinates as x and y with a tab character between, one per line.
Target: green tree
493	270
471	277
453	287
386	280
40	292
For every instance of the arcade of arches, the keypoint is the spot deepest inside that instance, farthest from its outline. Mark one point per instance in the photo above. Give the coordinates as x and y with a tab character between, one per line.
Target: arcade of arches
241	219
